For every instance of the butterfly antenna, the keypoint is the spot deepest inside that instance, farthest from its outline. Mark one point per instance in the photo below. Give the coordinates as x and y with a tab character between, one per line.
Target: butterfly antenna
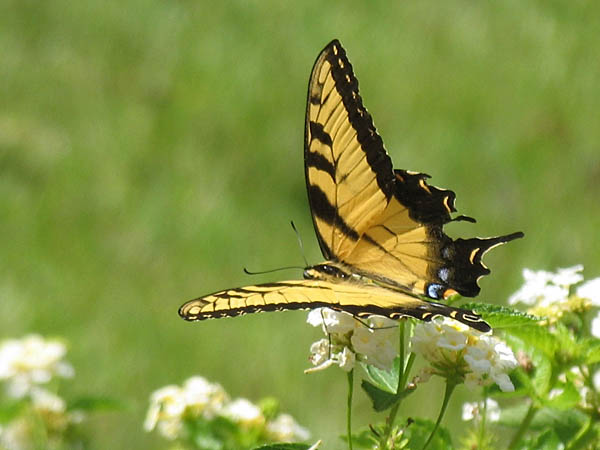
262	272
300	244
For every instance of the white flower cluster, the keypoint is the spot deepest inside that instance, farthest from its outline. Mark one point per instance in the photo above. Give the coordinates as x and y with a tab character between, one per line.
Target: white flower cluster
200	399
51	409
26	365
550	294
30	362
458	352
373	341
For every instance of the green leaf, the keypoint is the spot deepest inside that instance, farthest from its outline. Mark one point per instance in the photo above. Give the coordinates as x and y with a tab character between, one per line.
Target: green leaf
501	316
364	438
565	423
386	380
569	347
592	351
381	399
548	440
512	416
537	337
568	398
10	409
283	447
542	374
418	432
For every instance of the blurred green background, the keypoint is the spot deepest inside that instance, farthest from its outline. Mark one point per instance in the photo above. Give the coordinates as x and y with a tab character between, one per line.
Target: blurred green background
149	150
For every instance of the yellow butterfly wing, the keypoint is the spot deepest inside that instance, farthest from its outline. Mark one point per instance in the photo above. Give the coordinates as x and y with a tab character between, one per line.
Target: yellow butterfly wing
360	300
385	224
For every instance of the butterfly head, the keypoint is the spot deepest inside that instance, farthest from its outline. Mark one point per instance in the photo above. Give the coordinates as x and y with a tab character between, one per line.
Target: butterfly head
326	271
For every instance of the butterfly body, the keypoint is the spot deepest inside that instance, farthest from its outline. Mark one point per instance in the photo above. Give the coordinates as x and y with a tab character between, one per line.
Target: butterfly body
379	229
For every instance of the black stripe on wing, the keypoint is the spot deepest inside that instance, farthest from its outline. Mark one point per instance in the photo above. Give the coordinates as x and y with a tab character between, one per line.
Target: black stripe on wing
324	210
360	119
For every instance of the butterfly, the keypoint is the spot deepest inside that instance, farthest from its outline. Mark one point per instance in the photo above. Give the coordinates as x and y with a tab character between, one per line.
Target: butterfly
380	230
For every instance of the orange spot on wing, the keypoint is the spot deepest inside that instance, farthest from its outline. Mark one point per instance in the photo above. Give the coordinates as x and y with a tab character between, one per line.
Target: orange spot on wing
449	293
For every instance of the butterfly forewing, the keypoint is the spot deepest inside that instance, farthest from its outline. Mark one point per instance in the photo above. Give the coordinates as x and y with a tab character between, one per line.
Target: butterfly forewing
349	175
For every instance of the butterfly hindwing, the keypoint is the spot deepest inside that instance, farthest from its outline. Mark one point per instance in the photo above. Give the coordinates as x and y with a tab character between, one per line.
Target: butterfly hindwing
307	294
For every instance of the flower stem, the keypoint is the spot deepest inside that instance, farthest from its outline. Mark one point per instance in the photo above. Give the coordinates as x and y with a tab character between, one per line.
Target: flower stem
483	421
403	371
349	412
401	355
450	385
585	435
409	364
523	428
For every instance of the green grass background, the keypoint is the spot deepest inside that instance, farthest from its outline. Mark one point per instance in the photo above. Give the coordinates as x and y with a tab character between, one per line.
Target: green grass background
151	149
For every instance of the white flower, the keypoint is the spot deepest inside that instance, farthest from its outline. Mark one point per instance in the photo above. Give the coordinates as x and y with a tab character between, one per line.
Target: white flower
244	412
346	359
424	339
44	400
548	294
285	429
167	406
545	287
535	282
200	400
551	295
16	435
53	410
202	397
31	361
319	352
568	276
503	381
490	358
372	341
590	290
453	349
478	361
377	344
453	339
596	380
469	411
323	355
473	410
332	321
